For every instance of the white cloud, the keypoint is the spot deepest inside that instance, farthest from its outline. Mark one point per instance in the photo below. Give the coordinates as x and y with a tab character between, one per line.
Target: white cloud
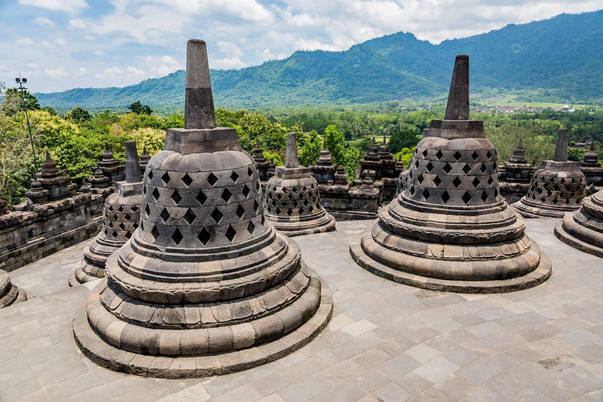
25	42
146	38
57	72
44	22
70	6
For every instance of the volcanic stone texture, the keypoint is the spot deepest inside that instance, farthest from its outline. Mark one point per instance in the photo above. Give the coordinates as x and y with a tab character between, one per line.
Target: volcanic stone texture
583	229
9	293
293	203
204	286
121	215
556	188
449	229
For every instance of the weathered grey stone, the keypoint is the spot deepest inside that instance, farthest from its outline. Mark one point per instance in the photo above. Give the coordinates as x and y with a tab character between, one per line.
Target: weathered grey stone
583	229
591	167
293	198
449	228
204	280
121	216
556	188
514	176
9	293
458	96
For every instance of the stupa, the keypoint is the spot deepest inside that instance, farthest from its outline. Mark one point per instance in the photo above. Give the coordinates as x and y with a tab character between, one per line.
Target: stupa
449	229
50	184
121	215
515	175
592	169
204	286
293	200
556	188
324	170
9	293
99	180
110	166
264	166
583	229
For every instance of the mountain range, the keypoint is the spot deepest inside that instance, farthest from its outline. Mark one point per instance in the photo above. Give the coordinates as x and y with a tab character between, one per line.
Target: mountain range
560	58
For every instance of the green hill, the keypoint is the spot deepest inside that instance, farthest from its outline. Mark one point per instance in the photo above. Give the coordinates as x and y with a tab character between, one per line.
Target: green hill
561	59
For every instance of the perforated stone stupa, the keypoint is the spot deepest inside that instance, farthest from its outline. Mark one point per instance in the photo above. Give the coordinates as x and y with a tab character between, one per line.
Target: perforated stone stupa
9	293
583	229
592	169
204	286
293	200
121	215
449	229
556	188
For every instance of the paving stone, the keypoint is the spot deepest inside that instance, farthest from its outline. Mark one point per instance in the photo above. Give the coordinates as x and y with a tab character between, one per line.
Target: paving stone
487	371
392	392
437	369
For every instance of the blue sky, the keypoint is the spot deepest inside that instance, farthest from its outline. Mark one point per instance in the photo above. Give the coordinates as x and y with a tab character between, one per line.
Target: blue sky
62	44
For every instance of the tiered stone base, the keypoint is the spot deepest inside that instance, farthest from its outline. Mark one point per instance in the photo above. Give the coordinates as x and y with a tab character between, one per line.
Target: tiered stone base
530	209
583	229
536	277
9	293
92	266
177	342
320	222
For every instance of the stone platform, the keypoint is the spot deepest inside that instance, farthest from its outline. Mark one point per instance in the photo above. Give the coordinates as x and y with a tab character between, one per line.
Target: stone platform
385	340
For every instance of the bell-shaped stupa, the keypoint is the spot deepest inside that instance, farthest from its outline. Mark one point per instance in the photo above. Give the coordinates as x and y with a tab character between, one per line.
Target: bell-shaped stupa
583	229
449	229
293	200
9	293
204	286
121	216
556	188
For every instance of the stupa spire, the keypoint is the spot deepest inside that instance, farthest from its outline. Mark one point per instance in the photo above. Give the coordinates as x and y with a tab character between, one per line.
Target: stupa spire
291	160
458	96
133	174
199	103
561	147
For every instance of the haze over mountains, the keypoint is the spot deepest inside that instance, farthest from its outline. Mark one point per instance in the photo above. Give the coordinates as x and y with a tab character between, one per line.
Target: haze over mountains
560	58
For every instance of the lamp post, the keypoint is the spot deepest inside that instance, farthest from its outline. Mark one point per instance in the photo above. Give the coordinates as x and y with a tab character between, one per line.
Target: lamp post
22	90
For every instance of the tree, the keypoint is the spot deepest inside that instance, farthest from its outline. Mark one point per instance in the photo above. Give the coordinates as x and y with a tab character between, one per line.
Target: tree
15	100
309	146
78	115
139	108
335	142
403	138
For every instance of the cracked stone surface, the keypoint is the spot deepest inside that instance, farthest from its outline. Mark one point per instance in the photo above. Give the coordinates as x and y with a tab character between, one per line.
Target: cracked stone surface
385	340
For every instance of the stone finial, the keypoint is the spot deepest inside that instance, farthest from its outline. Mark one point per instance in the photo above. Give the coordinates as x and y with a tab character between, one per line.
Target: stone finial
291	160
458	97
199	103
133	174
561	147
425	132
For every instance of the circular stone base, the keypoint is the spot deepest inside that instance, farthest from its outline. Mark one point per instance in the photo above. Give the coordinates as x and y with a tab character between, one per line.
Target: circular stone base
78	276
284	229
536	277
529	211
567	238
116	359
13	296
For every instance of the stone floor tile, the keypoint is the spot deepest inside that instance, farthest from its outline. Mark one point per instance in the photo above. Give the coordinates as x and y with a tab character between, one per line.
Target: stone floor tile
437	369
359	328
392	392
241	393
422	353
193	393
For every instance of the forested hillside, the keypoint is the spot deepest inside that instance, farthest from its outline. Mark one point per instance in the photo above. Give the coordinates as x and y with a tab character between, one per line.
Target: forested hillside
560	59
